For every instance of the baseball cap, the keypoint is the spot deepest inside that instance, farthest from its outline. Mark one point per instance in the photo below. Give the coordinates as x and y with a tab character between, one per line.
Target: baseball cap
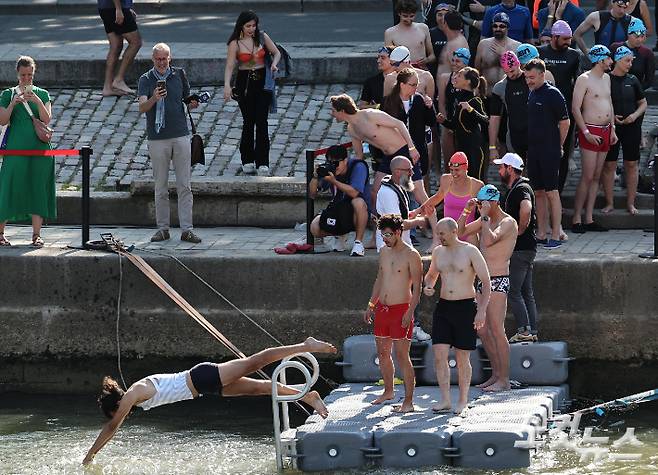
561	28
400	55
508	60
511	159
501	17
488	193
525	52
621	52
598	53
464	54
636	26
458	158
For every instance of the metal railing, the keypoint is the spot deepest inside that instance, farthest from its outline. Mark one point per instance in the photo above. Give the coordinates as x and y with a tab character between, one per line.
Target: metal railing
279	376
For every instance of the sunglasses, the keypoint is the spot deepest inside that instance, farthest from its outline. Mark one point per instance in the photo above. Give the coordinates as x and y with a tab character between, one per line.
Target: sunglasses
499	26
388	234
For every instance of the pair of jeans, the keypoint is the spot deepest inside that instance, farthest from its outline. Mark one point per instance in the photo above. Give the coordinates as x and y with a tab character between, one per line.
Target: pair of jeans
521	296
254	102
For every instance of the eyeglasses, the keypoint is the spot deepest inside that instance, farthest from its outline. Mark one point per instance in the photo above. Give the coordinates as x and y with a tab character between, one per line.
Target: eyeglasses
388	234
499	26
411	84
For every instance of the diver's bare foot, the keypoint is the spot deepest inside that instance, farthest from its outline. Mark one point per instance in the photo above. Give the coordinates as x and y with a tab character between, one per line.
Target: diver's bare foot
498	386
488	382
383	398
607	209
404	408
121	86
442	407
317	346
632	210
460	407
314	400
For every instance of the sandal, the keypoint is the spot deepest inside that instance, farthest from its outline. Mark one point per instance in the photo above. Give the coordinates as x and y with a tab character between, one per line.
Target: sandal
37	241
3	241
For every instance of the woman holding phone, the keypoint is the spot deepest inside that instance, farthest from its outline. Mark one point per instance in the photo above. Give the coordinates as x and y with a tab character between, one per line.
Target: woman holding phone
27	184
248	47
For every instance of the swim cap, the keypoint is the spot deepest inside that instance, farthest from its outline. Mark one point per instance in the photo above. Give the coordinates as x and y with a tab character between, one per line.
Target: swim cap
501	17
561	28
598	53
488	193
444	6
400	55
458	158
636	26
508	61
621	52
464	54
525	52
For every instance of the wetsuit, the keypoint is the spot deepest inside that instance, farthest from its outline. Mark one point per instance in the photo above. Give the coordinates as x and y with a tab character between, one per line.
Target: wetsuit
512	95
626	91
644	63
470	133
611	29
546	109
450	95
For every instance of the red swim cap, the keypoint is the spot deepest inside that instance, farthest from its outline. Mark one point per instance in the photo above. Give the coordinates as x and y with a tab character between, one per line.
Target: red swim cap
458	159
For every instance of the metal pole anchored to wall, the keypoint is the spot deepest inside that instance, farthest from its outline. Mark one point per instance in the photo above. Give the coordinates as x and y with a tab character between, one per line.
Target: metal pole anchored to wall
85	154
310	208
654	255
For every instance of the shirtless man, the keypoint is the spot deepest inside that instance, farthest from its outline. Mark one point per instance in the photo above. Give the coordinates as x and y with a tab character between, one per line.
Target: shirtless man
452	26
487	58
400	60
394	298
415	36
593	112
497	235
457	317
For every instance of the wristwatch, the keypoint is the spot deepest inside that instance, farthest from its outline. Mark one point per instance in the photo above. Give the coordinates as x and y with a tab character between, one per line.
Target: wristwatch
485	218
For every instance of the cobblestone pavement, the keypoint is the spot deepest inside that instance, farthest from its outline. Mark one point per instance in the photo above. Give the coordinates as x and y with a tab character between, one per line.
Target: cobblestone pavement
116	132
231	241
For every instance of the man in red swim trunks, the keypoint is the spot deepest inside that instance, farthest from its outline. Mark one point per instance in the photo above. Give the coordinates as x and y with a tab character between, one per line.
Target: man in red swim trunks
395	294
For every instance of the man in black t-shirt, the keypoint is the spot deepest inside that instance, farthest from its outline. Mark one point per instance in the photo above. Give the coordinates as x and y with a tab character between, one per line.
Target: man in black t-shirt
565	64
520	204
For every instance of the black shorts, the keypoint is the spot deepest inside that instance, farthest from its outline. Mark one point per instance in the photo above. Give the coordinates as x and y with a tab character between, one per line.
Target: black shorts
629	137
108	15
384	165
453	323
205	378
544	169
338	218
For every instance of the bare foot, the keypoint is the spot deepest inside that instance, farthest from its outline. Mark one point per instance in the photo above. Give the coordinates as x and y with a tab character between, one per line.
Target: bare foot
442	407
383	398
563	236
404	408
460	407
122	87
607	209
632	210
314	400
488	382
317	346
498	386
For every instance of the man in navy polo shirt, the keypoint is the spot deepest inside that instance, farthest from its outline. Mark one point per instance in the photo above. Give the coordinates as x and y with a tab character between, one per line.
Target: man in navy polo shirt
520	28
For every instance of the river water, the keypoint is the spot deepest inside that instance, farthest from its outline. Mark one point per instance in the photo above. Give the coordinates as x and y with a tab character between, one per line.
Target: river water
50	435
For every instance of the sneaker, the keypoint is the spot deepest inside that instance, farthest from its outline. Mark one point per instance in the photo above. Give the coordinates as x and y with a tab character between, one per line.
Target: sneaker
552	244
595	227
520	337
248	168
578	228
160	235
420	334
263	170
542	242
339	244
358	249
189	236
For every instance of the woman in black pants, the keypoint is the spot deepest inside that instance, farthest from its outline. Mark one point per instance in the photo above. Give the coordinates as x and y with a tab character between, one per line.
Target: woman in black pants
249	48
471	120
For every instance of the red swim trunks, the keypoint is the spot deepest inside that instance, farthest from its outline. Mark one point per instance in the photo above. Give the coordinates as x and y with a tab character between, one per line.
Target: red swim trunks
599	131
388	322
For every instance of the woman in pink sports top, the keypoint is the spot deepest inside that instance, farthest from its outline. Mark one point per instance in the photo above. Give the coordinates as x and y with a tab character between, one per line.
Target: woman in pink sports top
455	189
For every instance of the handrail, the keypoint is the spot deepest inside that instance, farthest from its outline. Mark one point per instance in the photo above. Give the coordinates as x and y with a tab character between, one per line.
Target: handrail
279	376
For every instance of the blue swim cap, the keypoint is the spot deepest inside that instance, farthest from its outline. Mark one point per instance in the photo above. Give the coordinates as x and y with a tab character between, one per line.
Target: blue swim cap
598	53
501	17
621	52
488	193
464	54
525	52
636	26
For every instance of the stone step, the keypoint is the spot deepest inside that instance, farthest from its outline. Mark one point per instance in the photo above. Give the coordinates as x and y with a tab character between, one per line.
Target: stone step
616	219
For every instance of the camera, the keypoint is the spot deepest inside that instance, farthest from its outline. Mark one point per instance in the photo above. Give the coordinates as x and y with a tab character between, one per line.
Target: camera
326	168
201	98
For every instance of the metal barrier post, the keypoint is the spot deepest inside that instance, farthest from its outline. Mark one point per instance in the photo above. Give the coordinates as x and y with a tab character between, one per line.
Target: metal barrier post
85	154
310	208
654	254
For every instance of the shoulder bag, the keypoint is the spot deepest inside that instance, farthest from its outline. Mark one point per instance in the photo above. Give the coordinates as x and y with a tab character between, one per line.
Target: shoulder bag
196	142
44	133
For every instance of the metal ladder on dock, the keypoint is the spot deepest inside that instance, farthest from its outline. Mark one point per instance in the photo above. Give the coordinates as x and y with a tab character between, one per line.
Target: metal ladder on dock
284	437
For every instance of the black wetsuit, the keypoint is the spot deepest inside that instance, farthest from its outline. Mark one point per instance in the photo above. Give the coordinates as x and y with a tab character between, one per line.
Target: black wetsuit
626	91
470	133
512	95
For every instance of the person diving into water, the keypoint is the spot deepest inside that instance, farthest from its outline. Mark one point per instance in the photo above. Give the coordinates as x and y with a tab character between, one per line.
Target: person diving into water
226	379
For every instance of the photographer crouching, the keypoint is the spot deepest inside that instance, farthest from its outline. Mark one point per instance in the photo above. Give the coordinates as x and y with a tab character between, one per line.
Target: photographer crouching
348	181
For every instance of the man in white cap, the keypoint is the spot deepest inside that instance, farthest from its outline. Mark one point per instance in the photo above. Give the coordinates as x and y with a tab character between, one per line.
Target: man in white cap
401	59
415	36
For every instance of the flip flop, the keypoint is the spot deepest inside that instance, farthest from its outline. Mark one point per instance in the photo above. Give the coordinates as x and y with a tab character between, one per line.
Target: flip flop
447	410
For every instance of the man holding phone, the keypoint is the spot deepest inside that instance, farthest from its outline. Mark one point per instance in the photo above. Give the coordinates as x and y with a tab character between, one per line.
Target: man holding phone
161	92
120	22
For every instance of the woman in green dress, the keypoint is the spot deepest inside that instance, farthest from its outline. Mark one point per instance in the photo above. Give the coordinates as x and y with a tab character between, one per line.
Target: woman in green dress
27	184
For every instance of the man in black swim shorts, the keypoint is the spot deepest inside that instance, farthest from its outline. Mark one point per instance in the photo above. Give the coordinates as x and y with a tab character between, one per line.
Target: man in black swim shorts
457	316
120	22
